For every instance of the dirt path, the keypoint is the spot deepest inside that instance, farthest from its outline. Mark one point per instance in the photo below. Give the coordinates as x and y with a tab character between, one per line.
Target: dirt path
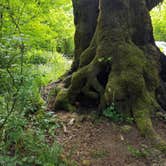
98	142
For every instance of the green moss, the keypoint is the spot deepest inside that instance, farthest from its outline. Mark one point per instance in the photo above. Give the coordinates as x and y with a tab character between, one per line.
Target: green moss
131	86
151	75
126	75
141	112
87	56
131	77
143	122
161	146
62	101
77	82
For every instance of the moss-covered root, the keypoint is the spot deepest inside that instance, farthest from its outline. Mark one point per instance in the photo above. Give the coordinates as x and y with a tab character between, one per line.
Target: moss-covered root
62	101
144	124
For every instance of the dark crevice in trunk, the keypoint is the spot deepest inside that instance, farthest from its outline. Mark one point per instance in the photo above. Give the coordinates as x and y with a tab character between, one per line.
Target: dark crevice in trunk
103	76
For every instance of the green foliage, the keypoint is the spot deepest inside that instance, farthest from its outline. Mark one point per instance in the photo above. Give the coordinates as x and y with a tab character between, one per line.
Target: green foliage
31	32
159	22
37	57
111	113
46	25
143	152
24	138
25	142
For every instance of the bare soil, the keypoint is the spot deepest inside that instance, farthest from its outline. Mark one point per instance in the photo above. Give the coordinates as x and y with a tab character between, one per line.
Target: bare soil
92	141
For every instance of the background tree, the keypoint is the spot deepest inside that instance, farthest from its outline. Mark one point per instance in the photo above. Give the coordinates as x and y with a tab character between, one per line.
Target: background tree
118	63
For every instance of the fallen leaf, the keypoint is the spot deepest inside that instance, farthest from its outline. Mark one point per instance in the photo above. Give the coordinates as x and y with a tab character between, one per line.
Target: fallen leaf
121	137
65	129
71	122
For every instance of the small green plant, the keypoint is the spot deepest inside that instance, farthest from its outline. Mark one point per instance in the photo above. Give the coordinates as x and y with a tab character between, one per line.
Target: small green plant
111	113
143	152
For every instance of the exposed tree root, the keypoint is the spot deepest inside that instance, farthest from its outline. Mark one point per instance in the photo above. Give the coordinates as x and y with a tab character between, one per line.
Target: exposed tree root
144	124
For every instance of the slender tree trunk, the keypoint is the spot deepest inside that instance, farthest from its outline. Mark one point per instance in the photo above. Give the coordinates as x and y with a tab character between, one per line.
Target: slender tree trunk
117	61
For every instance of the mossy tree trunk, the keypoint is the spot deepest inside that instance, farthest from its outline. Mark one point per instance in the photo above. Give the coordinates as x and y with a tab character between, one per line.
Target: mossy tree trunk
117	61
85	20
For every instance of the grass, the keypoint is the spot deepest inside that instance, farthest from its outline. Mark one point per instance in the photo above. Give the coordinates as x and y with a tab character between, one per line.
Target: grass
53	67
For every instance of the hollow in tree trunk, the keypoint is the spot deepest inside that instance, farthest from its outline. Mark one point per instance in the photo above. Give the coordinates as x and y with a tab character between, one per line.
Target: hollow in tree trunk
116	61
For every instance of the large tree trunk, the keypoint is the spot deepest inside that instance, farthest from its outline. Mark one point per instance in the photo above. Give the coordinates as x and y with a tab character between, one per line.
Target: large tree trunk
117	61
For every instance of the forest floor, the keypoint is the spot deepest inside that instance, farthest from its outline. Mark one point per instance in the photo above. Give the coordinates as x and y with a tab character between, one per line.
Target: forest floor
92	141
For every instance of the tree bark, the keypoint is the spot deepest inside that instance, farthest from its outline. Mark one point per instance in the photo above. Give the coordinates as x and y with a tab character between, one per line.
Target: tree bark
116	61
85	20
152	3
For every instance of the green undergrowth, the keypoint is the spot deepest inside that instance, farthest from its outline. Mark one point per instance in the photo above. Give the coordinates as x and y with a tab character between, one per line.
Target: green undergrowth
27	133
48	65
35	38
142	152
30	141
115	116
